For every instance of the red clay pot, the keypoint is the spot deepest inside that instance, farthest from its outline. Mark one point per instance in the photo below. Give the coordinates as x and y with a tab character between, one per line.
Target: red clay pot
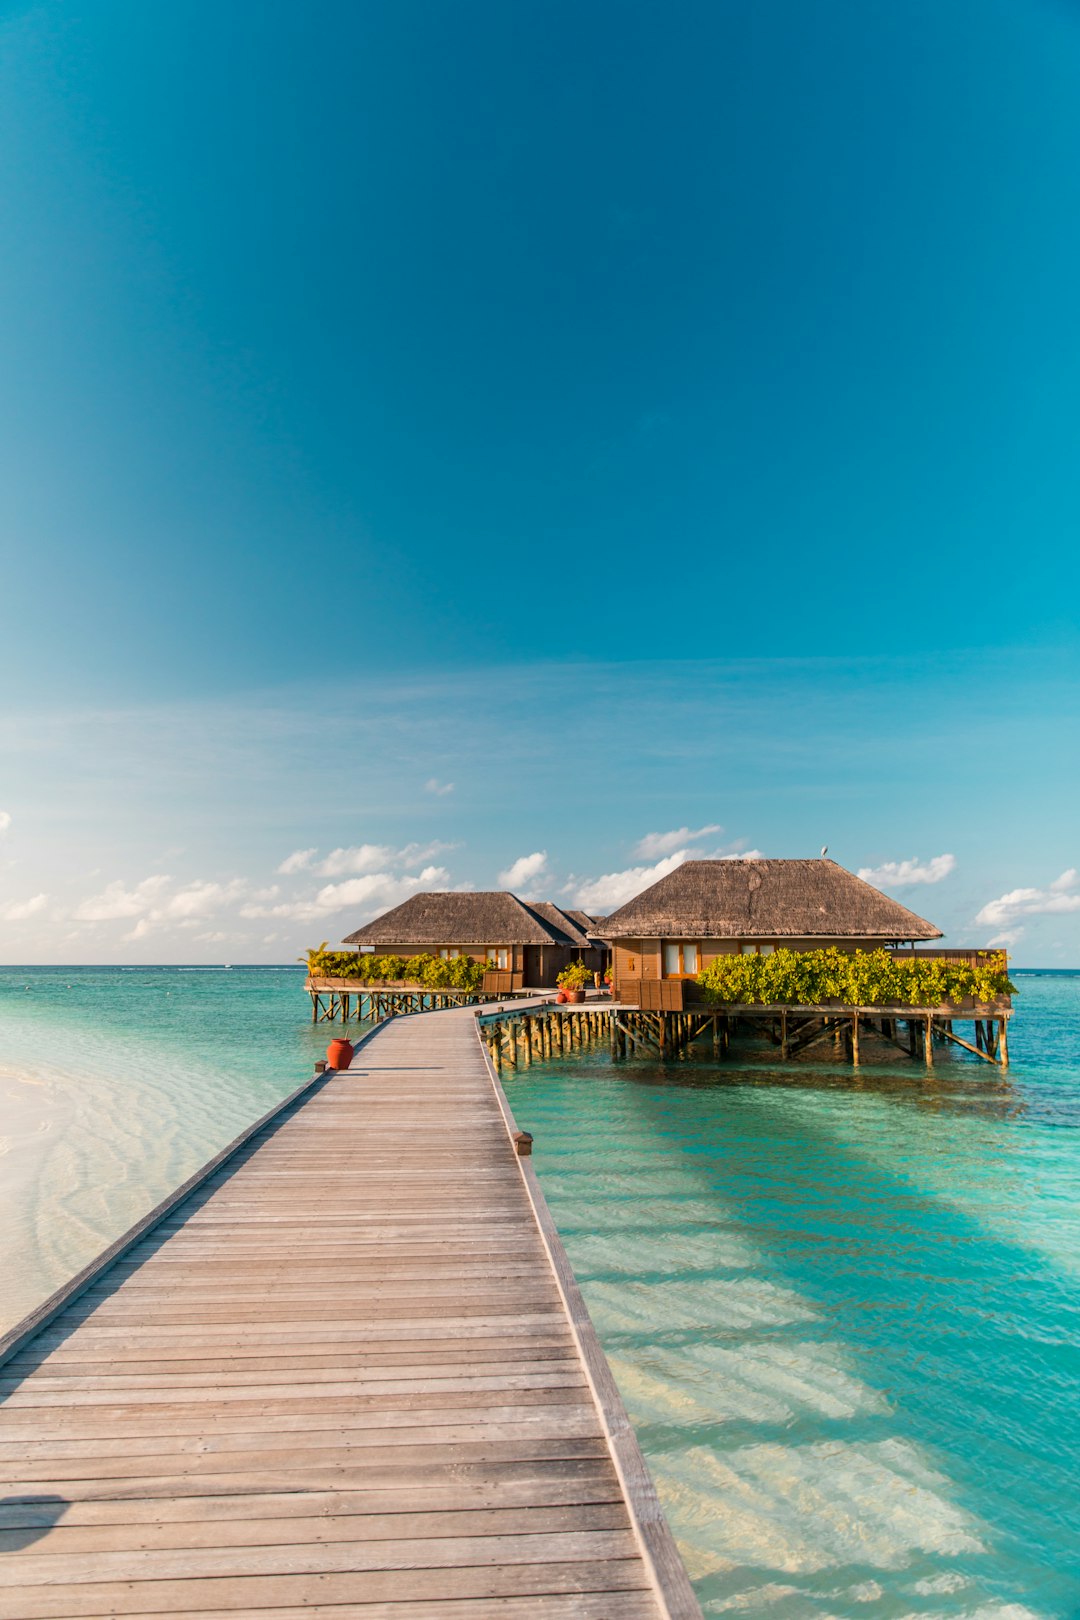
575	995
561	998
339	1054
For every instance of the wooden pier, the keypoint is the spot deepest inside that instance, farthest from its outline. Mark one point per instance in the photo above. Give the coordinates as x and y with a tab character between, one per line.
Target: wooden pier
346	1373
348	999
518	1036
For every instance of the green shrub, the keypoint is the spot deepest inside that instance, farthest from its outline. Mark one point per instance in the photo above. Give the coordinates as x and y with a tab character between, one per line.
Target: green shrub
574	977
859	978
431	972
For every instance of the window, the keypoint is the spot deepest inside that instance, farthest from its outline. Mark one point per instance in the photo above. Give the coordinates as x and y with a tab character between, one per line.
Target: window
498	956
679	958
756	950
444	953
454	953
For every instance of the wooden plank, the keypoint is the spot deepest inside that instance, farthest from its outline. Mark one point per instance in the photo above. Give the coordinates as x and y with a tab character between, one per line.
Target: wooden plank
346	1374
267	1593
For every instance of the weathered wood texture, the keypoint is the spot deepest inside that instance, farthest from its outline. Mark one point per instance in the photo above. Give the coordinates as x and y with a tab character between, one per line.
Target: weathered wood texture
349	1374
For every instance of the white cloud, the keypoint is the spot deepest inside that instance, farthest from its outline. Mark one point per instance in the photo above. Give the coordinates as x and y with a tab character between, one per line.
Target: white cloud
526	870
20	910
666	843
360	858
199	899
115	901
900	874
297	861
365	897
5	820
1005	912
151	904
440	789
614	889
740	855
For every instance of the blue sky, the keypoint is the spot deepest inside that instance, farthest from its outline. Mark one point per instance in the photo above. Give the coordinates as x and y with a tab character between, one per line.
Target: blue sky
435	436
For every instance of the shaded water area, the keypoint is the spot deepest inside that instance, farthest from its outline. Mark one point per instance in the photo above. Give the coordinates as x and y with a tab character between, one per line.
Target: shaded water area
843	1310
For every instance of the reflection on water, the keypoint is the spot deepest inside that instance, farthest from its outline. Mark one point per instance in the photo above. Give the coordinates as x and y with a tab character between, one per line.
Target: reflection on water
844	1313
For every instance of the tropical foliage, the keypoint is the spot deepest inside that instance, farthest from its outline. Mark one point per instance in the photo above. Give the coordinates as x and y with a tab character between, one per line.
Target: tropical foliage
861	978
433	972
574	977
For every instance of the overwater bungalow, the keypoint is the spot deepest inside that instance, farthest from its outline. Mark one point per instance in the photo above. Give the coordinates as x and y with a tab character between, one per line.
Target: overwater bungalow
529	942
705	909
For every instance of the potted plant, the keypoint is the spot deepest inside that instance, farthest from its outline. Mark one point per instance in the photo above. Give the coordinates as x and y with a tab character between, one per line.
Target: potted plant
573	980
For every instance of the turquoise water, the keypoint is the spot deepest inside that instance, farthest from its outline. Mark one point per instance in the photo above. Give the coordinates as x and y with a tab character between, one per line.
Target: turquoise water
844	1313
116	1084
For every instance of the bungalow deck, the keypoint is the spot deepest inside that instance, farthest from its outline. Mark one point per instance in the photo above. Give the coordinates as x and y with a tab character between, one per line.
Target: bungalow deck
347	1372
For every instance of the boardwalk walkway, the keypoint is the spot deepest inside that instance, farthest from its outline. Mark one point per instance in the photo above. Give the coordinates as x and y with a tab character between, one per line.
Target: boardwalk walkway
350	1375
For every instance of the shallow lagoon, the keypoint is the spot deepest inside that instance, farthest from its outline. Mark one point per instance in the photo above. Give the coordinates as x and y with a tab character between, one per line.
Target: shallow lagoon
844	1312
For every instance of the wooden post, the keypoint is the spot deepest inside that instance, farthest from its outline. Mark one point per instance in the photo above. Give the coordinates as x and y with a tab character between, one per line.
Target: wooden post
1003	1042
783	1036
929	1039
855	1039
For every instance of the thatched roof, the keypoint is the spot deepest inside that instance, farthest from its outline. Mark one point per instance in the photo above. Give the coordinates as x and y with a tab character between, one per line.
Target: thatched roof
765	900
568	923
589	925
491	917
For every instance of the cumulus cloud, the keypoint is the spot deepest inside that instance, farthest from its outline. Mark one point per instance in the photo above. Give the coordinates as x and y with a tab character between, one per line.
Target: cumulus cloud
1007	911
614	889
654	845
150	903
199	899
525	871
5	821
364	897
900	874
440	789
298	861
361	858
117	902
20	910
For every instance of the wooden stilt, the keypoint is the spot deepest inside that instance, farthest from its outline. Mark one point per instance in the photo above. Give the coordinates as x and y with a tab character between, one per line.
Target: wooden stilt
1003	1042
855	1039
928	1039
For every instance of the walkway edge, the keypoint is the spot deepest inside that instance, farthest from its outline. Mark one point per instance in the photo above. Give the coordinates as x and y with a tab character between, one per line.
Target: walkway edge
674	1593
17	1337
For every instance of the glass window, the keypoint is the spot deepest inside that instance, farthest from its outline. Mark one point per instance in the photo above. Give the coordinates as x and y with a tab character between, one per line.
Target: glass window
504	957
747	950
689	958
444	953
671	958
454	953
766	950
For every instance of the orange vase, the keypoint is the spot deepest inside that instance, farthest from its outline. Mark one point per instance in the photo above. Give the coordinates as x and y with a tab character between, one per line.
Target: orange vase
339	1054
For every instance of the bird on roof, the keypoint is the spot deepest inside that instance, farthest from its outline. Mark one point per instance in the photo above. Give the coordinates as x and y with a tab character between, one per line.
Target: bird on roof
824	850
